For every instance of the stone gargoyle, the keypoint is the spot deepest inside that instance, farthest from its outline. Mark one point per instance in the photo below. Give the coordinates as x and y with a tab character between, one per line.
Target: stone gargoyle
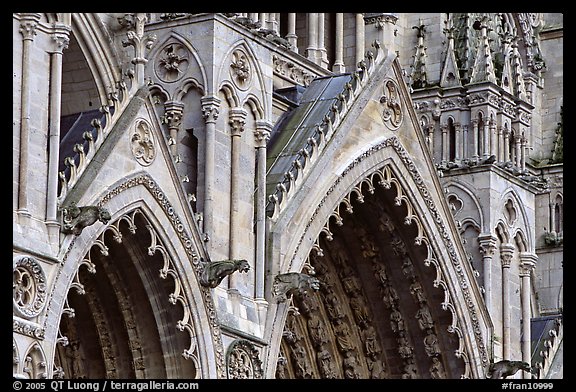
215	271
75	219
291	283
506	368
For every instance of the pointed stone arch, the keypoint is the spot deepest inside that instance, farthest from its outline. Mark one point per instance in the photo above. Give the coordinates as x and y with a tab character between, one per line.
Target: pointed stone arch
511	199
386	168
144	225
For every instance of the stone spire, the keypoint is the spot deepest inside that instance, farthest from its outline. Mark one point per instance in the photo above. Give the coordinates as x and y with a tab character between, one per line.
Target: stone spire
483	70
450	74
419	68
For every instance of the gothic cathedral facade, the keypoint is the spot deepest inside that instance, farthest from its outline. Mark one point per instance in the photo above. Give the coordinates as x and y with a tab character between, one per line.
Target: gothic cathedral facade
287	195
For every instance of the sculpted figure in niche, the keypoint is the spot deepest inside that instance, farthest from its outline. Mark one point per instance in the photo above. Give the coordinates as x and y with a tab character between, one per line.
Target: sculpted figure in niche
281	367
214	272
389	296
333	306
431	345
376	369
437	369
351	366
424	318
307	304
344	339
410	370
350	281
370	339
317	330
405	349
408	269
326	364
380	273
417	292
302	366
397	321
360	310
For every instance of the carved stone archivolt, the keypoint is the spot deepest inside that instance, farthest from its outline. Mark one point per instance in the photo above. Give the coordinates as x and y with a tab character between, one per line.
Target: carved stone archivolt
243	361
172	62
142	143
28	287
240	69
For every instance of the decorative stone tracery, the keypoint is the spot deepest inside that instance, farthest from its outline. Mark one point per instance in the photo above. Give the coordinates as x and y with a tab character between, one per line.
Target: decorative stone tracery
243	361
28	287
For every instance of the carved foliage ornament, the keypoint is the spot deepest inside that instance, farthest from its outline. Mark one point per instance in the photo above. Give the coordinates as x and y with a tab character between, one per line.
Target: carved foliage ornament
243	361
28	287
142	143
392	110
172	63
240	69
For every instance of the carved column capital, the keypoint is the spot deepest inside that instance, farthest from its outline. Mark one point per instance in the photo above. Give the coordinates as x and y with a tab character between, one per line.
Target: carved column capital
506	253
173	111
237	121
61	37
28	23
210	107
527	263
262	132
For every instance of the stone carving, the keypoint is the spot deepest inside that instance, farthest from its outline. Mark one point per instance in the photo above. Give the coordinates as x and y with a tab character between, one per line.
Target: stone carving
243	361
437	369
302	366
351	366
431	345
397	321
172	63
292	283
29	288
410	370
281	367
506	368
424	318
317	330
344	339
240	69
376	369
326	364
390	296
214	272
75	219
392	112
142	144
417	292
371	345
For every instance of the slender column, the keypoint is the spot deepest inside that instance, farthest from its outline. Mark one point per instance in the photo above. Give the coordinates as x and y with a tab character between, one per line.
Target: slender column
431	138
523	151
465	136
61	39
527	265
273	22
312	36
493	139
458	140
210	105
28	25
253	16
444	129
552	219
500	146
506	146
262	135
486	141
262	18
322	59
517	147
475	137
338	66
360	32
173	116
237	122
506	253
487	248
291	36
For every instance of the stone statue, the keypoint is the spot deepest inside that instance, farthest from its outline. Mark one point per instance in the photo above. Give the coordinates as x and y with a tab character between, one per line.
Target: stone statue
291	283
506	368
214	272
75	219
